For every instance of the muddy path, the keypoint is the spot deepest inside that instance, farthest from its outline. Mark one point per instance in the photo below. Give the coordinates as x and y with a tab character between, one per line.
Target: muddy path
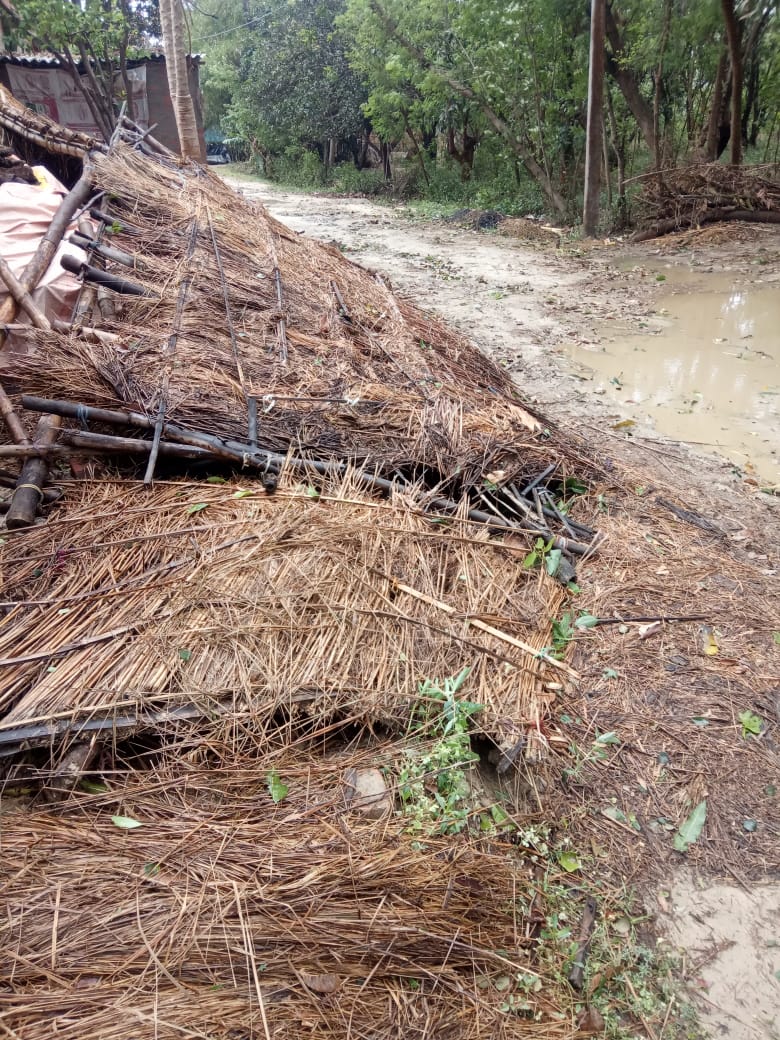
542	309
661	351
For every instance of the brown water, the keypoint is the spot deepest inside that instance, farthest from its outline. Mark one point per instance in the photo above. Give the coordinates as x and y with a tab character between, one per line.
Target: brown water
709	376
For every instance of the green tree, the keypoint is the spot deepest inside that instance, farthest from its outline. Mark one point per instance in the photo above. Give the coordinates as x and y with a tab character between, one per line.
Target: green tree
282	78
95	36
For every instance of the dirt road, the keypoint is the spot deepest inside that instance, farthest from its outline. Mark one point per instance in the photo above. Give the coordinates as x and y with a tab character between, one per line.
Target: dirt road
552	313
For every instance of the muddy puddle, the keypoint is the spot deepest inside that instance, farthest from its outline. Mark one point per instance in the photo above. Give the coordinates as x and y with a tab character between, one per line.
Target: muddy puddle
707	373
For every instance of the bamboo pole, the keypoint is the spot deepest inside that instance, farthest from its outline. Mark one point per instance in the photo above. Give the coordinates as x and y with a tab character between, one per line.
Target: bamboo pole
29	487
491	630
181	301
98	277
11	419
22	298
269	461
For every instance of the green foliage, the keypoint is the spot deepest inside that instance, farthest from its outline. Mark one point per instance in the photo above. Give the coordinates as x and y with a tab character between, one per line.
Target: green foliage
283	80
432	780
489	98
277	789
691	828
751	724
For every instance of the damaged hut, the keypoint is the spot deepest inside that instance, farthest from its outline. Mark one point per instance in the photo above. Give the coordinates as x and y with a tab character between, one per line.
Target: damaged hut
252	497
300	484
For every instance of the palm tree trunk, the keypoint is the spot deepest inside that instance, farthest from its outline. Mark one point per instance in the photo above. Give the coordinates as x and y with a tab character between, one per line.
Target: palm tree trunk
172	22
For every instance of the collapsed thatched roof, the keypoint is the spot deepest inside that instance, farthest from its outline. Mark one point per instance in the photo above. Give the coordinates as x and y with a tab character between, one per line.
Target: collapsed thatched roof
323	597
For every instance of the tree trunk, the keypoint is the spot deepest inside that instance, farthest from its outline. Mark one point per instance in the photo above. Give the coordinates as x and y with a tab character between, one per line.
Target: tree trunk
595	128
658	92
627	82
752	51
464	156
172	23
716	110
733	35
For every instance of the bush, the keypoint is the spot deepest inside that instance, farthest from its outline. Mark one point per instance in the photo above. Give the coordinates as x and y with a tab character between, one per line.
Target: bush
348	180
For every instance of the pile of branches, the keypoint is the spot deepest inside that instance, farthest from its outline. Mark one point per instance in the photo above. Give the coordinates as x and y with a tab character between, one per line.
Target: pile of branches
710	192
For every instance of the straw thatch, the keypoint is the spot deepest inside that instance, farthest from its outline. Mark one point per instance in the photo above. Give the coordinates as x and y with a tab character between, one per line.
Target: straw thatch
341	367
225	598
338	604
223	915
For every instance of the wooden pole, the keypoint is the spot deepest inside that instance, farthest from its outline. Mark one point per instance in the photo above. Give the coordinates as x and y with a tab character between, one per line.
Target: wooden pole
273	462
593	141
22	298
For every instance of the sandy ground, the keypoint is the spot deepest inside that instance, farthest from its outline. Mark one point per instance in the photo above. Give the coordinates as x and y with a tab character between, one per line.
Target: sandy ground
526	305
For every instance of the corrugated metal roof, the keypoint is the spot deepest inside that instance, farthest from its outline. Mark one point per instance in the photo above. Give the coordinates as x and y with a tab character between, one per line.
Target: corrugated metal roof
43	60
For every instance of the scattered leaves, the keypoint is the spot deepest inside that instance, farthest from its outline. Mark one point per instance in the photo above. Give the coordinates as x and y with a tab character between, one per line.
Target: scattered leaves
709	644
328	983
125	823
569	861
751	724
691	829
276	787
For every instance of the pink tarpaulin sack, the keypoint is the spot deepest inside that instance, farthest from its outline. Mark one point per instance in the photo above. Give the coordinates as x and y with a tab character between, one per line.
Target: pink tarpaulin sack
26	210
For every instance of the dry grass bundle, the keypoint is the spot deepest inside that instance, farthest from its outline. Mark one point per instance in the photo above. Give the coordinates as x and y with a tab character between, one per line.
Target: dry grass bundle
223	916
241	307
319	604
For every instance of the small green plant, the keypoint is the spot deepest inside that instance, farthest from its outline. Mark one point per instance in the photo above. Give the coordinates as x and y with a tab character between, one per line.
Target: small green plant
538	553
432	780
751	724
597	752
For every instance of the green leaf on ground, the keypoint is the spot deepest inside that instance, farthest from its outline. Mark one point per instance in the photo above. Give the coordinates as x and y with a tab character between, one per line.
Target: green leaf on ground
197	507
586	621
776	638
613	813
276	787
216	480
608	738
751	724
552	561
691	829
569	861
125	823
93	786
